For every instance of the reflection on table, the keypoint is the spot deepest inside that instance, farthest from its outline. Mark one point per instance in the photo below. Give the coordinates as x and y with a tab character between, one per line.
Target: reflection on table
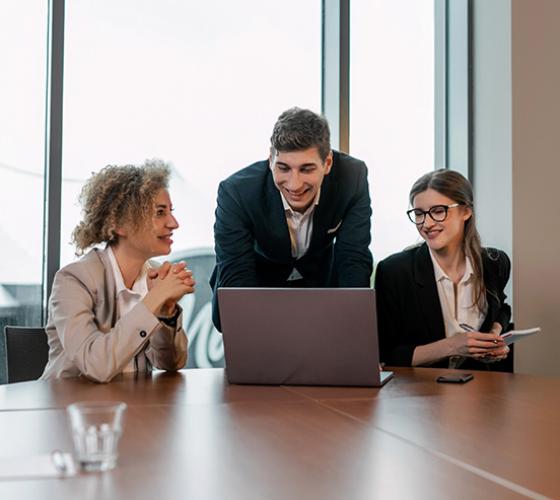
192	435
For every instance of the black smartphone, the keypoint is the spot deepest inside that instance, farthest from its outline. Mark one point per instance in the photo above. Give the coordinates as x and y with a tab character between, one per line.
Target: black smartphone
459	378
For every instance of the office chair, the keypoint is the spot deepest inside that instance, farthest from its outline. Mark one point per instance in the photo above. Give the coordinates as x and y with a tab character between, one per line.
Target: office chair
27	352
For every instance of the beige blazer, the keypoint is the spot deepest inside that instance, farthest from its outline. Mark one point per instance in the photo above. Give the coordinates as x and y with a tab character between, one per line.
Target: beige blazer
86	337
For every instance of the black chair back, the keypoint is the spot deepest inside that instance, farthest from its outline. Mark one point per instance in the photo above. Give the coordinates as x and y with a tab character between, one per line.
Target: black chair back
27	352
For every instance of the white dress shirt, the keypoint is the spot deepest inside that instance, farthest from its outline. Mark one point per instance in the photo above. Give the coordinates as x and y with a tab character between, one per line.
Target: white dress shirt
300	226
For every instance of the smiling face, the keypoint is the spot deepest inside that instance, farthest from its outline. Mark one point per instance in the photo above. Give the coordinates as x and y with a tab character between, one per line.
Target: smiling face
446	235
299	174
152	238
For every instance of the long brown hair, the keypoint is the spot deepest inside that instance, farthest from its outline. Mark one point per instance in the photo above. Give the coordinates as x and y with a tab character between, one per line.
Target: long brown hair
456	187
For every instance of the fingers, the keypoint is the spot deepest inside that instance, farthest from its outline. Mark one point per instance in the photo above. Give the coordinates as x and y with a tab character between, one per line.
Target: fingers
183	278
189	282
180	290
180	272
179	266
499	353
163	270
495	355
484	340
485	337
184	274
496	328
481	344
485	347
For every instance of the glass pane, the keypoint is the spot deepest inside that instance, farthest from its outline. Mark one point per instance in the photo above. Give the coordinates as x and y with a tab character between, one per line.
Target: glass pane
392	108
23	43
199	84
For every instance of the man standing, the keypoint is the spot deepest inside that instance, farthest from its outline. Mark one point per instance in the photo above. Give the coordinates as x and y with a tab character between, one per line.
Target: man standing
299	219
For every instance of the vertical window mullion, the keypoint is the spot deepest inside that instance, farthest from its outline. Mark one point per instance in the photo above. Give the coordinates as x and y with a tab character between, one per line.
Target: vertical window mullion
336	71
53	147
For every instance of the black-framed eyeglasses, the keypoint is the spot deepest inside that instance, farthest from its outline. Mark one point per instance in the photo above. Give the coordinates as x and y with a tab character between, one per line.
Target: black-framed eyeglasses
438	213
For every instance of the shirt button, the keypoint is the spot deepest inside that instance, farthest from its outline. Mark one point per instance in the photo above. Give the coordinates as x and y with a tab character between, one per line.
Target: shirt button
143	333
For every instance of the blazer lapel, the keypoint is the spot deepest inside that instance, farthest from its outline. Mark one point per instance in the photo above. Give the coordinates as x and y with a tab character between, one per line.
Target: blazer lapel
491	300
324	214
107	308
427	293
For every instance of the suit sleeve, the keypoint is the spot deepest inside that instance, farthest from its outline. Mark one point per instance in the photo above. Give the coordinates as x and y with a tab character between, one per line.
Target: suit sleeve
352	258
167	349
234	244
234	241
98	355
394	350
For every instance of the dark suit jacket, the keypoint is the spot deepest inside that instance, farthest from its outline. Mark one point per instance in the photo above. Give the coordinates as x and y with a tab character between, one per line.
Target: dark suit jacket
252	240
409	312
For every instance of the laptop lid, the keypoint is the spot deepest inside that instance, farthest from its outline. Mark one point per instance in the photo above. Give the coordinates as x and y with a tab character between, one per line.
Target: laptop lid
300	336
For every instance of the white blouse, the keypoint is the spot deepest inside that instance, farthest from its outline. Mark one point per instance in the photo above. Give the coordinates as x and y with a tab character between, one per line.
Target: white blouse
457	303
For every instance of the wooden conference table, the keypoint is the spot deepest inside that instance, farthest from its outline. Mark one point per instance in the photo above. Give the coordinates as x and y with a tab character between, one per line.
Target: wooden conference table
192	435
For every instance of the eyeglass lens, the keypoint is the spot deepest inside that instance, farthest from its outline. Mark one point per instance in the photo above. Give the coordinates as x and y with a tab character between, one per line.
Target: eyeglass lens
438	213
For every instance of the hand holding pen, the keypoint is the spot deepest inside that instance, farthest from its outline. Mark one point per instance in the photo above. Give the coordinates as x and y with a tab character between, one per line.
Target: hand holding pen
473	344
485	346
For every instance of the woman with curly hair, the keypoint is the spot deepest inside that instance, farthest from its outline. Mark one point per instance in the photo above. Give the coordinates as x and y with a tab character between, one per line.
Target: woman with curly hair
111	312
442	303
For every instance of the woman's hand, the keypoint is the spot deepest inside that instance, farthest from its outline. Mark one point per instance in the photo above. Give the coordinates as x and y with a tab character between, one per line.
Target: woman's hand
478	345
486	347
178	268
496	355
166	285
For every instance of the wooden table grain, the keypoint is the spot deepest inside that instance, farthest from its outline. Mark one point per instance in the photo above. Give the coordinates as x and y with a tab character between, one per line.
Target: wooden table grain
192	435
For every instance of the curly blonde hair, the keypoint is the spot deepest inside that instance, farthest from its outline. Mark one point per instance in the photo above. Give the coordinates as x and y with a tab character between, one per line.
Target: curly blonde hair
117	196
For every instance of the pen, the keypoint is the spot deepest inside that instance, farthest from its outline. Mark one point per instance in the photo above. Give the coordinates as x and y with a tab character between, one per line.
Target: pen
469	328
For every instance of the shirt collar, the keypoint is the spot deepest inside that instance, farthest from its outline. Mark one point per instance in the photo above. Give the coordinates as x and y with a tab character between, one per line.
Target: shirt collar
440	274
469	272
140	286
291	211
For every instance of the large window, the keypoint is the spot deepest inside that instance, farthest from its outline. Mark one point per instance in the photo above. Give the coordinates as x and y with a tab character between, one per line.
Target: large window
392	108
198	84
23	41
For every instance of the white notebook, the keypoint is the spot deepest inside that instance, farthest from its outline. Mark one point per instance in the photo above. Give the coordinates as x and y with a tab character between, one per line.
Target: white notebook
515	335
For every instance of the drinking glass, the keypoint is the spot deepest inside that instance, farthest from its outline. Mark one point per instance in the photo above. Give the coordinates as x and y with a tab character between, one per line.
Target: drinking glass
96	429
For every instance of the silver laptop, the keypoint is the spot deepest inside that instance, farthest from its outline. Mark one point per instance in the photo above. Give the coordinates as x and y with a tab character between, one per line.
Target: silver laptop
301	336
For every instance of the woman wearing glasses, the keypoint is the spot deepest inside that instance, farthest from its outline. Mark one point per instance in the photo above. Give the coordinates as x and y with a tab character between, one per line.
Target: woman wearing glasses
111	312
442	303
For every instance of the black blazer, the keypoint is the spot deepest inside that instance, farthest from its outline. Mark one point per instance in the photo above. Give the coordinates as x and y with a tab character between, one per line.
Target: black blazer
409	312
252	240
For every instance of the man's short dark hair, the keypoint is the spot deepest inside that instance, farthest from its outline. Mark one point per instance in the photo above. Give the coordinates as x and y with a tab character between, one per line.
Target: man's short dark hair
297	129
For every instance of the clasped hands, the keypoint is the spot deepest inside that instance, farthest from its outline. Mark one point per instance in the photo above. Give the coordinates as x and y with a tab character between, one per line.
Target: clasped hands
167	284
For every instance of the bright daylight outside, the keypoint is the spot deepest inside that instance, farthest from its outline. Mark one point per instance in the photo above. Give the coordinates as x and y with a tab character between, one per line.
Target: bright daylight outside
200	85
